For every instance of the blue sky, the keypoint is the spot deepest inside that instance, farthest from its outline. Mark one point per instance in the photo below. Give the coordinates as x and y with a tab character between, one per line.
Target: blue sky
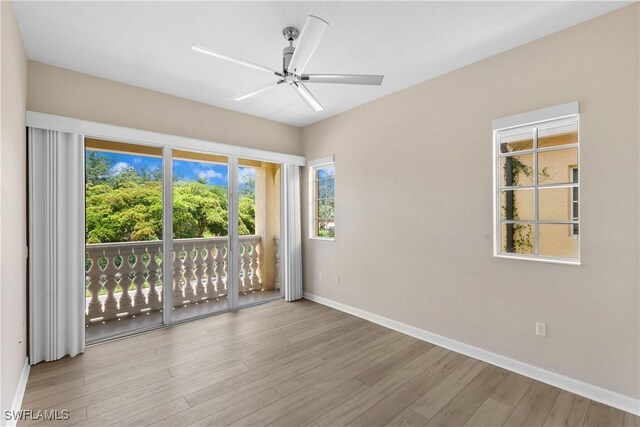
216	174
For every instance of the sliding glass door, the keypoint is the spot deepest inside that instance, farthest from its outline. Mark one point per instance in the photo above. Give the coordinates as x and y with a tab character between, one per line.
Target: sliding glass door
259	231
123	238
200	211
174	235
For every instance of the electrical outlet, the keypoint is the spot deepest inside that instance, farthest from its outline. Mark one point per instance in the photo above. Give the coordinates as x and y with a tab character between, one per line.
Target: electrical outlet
337	279
541	329
320	275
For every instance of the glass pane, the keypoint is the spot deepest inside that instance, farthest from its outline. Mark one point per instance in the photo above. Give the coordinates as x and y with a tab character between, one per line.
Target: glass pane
558	240
558	135
200	234
123	263
516	170
259	243
325	189
556	167
517	238
555	204
517	205
325	228
326	209
516	142
325	172
246	201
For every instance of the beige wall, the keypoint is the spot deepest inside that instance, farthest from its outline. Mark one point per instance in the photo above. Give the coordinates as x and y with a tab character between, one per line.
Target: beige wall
13	205
67	93
414	207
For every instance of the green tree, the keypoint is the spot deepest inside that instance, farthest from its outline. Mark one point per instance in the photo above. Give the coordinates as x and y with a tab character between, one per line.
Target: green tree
124	204
97	167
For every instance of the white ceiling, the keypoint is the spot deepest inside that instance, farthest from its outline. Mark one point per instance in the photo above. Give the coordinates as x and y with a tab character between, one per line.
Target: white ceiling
148	44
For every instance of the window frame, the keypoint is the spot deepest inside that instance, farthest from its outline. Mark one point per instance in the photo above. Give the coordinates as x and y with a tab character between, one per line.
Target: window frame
566	114
313	166
575	200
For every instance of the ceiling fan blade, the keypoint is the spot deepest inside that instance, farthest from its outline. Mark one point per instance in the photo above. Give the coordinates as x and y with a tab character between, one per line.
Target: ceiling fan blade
352	79
256	92
307	97
253	65
308	41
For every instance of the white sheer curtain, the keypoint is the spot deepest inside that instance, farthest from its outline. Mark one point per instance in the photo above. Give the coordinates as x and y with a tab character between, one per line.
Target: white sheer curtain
56	245
292	247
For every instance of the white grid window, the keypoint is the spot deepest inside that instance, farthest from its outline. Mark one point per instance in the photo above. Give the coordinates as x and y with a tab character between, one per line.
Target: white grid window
322	199
537	190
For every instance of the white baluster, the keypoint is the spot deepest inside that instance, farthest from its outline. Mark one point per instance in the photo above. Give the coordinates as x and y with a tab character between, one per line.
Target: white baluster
137	269
255	265
277	278
154	271
93	273
178	277
219	266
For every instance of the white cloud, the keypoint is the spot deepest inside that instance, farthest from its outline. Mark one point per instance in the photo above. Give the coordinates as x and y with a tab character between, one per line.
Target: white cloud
244	173
207	174
119	167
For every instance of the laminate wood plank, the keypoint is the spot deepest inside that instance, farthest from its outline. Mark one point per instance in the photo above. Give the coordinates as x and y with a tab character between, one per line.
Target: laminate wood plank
601	415
239	410
407	418
512	389
497	408
335	364
161	361
294	364
375	374
631	420
255	377
568	410
458	411
399	400
360	403
305	414
128	404
179	336
213	405
319	348
35	395
491	413
84	396
240	353
315	390
436	398
75	416
150	416
535	405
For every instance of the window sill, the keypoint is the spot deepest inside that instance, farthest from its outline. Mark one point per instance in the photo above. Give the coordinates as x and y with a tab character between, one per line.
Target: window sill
550	260
326	239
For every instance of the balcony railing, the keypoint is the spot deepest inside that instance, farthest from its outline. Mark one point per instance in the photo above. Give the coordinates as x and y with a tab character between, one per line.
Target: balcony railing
125	279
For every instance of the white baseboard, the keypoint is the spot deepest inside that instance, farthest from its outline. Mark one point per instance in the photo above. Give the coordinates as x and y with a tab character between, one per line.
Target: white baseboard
572	385
22	385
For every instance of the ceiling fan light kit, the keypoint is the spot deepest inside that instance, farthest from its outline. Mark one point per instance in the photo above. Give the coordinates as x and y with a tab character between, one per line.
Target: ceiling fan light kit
294	62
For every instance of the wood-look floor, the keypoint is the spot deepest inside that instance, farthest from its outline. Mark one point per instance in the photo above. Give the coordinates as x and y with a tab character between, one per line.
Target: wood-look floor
296	364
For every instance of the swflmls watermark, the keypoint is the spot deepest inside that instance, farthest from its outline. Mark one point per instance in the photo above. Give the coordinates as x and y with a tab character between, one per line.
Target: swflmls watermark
37	415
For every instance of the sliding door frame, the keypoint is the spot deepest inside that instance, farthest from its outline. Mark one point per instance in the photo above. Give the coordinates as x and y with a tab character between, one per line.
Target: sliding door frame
168	143
167	236
233	274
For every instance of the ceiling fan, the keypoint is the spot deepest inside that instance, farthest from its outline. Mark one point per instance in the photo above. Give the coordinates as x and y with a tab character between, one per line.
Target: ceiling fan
294	62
